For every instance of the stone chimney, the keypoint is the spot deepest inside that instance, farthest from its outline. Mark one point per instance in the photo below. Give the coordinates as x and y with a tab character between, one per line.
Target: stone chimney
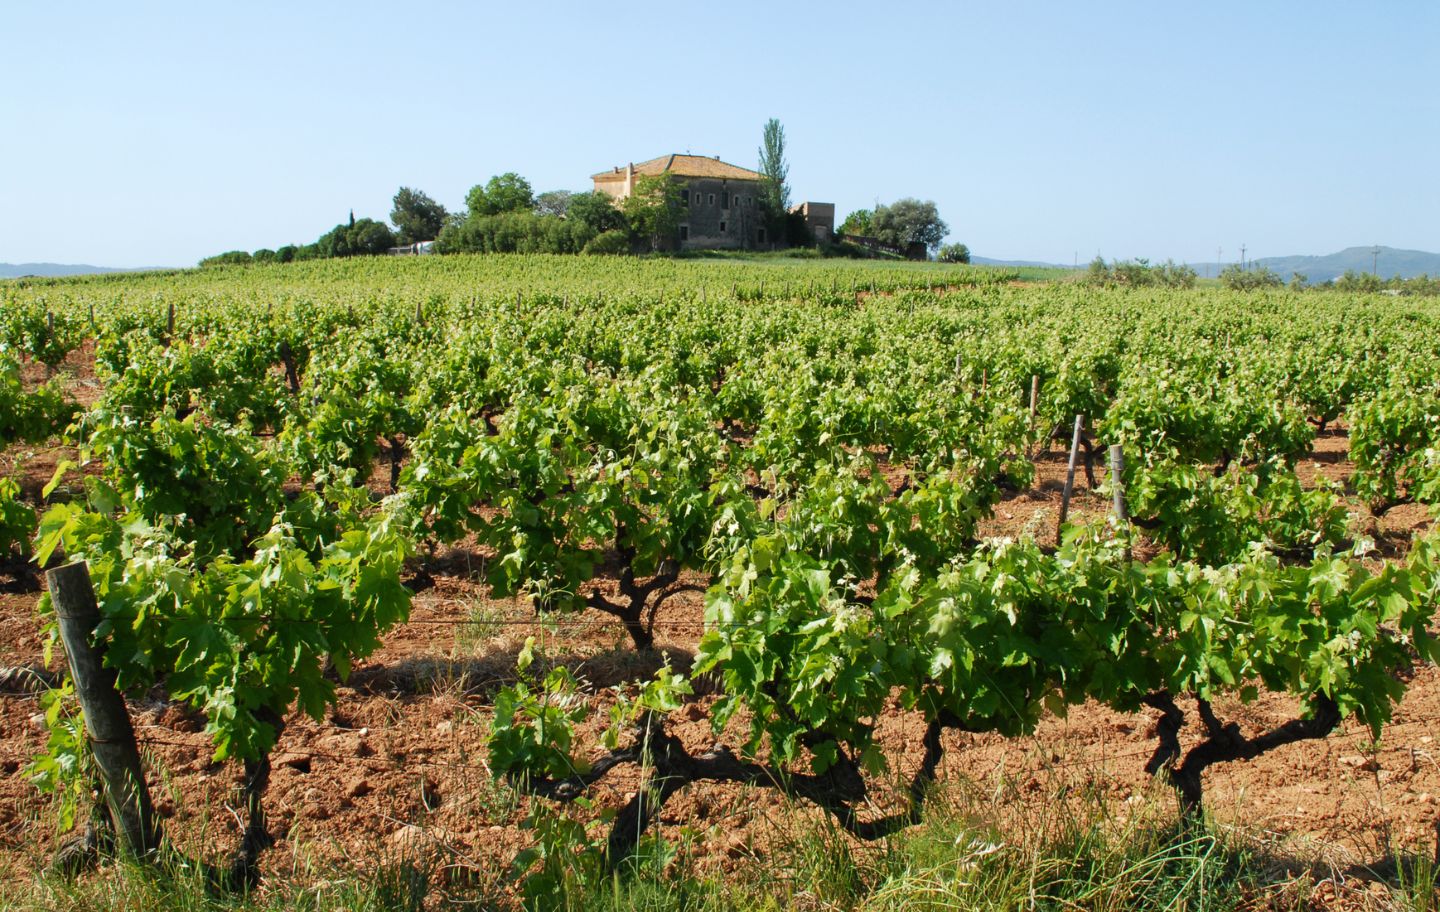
629	178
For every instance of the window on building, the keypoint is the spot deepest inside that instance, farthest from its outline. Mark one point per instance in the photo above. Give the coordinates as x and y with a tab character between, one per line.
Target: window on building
685	197
711	200
725	200
722	227
685	232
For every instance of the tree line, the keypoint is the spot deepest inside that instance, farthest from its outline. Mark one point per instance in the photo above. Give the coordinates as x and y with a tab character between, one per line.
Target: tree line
506	215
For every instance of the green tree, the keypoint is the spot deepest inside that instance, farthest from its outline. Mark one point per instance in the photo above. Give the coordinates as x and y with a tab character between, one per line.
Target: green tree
554	202
416	216
860	223
1350	281
508	192
653	210
1237	278
228	258
910	221
596	210
776	169
361	237
955	253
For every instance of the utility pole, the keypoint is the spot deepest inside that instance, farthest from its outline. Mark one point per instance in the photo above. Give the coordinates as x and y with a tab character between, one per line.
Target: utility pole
1219	252
1375	262
1242	257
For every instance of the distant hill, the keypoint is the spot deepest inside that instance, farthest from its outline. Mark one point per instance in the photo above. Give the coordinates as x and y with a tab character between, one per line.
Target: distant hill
16	270
1390	262
986	261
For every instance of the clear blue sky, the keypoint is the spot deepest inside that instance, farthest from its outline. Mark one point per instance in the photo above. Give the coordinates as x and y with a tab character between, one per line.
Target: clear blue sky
157	133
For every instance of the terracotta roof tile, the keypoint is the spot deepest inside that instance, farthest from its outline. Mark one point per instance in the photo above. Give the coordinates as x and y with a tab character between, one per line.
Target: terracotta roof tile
685	166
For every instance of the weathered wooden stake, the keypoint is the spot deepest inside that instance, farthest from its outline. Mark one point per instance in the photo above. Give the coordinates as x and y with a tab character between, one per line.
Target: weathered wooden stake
1117	491
419	313
112	738
1070	474
1117	486
170	319
958	364
1034	413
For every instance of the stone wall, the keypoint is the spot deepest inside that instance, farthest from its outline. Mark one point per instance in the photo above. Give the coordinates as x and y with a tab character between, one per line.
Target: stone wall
721	214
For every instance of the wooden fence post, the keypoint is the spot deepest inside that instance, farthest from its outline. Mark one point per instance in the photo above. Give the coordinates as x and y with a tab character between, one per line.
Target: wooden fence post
107	722
1070	475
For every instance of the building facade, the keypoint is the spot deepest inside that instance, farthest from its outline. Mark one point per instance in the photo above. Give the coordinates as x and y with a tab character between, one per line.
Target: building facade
819	220
720	201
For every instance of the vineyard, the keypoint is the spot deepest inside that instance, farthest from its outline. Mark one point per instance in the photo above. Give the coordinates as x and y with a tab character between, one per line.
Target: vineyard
561	570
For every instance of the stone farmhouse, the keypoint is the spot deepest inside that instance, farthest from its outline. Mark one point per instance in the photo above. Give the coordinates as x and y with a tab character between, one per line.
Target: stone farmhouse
721	201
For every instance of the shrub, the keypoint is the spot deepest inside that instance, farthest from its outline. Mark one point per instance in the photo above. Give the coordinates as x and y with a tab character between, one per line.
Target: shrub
1139	274
955	253
515	232
1237	279
609	243
228	258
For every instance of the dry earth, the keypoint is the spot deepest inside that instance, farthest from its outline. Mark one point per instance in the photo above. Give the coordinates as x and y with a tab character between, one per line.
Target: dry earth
399	765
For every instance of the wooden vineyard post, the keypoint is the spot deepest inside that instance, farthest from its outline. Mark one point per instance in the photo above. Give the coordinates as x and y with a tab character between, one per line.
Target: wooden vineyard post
1070	475
959	363
419	313
1034	411
49	337
170	320
112	738
1117	487
1117	492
